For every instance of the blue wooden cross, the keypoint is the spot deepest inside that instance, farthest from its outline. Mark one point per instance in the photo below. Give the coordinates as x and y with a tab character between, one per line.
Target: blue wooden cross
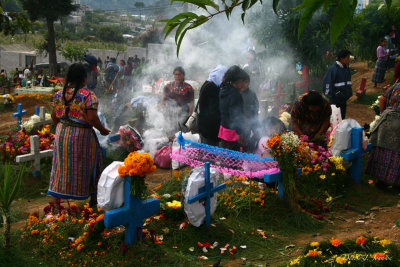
19	114
131	215
206	193
37	110
276	177
354	154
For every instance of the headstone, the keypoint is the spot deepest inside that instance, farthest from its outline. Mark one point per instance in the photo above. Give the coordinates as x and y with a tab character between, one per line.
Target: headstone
35	155
206	193
19	114
355	153
361	92
132	214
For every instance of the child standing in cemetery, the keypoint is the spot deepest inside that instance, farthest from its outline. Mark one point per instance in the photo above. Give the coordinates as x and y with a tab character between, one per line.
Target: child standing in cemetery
77	157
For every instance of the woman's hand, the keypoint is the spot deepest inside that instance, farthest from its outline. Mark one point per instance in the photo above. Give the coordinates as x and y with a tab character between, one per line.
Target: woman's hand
105	131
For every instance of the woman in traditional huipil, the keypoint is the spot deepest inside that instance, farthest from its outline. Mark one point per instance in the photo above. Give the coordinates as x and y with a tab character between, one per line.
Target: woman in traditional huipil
77	157
384	159
381	63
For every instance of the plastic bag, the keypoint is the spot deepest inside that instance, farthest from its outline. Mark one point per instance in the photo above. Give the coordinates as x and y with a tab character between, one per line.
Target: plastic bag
342	136
336	116
175	146
110	188
195	211
162	158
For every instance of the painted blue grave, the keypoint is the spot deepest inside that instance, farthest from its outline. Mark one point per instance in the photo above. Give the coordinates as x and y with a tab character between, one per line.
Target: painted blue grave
132	214
19	114
206	193
355	153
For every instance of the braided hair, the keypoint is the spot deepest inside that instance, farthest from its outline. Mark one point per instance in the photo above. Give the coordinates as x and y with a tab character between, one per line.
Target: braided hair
76	76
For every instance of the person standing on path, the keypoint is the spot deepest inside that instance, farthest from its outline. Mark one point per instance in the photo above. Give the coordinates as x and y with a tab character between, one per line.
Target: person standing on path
77	156
381	63
336	84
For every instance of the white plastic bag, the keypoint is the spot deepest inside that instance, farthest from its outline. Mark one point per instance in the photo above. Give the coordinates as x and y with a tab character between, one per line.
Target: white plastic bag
110	189
195	211
175	146
342	136
336	116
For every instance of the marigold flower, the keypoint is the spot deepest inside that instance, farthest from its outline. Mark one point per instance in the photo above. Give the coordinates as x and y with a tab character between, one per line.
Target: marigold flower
34	232
379	256
312	253
335	242
100	218
384	242
314	244
341	260
361	240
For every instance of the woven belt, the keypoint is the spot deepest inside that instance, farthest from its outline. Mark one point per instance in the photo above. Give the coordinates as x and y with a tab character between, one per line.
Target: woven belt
75	124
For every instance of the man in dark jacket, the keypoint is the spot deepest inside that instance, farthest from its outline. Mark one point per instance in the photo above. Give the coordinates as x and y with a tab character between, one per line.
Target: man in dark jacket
336	84
92	72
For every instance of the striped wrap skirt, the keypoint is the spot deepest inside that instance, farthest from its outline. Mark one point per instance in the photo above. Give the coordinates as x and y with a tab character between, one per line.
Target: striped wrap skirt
77	162
379	71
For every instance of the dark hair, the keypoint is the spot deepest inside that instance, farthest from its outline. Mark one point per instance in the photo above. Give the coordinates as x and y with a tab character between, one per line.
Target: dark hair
123	62
76	75
269	122
343	54
382	40
234	74
180	69
313	98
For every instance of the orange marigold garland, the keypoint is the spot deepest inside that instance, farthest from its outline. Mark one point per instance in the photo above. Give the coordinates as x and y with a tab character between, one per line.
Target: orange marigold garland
137	166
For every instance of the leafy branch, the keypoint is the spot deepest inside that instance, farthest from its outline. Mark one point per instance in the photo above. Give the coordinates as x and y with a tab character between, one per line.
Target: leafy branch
189	20
342	15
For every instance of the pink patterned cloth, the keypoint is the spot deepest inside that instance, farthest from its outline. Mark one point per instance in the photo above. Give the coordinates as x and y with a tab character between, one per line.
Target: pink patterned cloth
227	134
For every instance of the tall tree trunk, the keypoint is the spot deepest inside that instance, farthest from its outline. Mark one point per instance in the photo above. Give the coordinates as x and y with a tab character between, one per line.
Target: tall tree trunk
51	47
6	229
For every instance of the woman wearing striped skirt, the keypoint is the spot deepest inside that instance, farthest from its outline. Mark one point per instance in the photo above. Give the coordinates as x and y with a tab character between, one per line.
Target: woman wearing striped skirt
381	63
77	158
384	159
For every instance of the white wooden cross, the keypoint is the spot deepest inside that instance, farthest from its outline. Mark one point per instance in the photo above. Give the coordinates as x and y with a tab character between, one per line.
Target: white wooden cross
42	115
35	155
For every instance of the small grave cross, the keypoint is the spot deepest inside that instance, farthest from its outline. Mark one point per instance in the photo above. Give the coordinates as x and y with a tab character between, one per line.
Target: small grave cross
278	96
131	214
41	112
35	155
206	193
354	154
19	114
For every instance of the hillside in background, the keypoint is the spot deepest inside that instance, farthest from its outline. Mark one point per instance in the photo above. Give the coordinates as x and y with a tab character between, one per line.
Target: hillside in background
123	4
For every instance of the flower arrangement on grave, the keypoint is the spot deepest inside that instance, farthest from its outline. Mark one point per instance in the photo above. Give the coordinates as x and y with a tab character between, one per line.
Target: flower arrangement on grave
37	96
362	251
30	124
291	153
137	166
130	139
171	206
19	143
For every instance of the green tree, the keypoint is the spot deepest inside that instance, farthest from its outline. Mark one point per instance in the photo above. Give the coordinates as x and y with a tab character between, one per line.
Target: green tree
342	14
139	5
110	34
74	52
374	22
12	21
50	11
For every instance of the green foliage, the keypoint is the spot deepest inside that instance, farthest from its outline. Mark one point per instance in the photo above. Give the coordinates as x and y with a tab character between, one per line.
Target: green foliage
49	10
340	15
74	52
374	23
110	34
9	189
13	21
